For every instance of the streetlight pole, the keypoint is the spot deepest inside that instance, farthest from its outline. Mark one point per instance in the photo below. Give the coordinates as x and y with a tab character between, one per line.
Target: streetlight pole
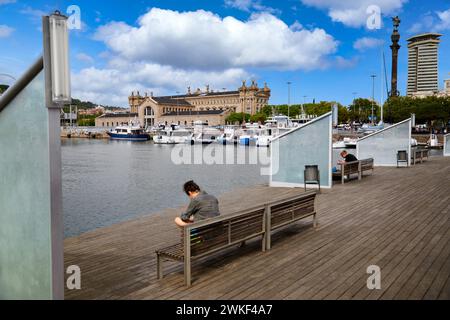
373	95
303	108
289	97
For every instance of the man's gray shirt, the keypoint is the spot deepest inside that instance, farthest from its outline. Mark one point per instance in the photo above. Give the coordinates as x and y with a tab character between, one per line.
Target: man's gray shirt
203	206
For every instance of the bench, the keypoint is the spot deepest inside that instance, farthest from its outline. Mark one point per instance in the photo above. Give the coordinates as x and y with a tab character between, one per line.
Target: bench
209	236
284	212
347	169
419	155
366	165
354	167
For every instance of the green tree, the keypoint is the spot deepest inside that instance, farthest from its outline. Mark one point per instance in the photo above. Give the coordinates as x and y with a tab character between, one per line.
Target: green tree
361	110
258	117
237	117
434	111
3	88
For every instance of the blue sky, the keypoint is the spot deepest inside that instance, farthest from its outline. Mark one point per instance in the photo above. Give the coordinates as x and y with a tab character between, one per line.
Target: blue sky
324	47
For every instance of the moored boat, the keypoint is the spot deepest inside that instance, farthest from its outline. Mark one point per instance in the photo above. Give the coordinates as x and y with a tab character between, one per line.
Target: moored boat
174	135
129	133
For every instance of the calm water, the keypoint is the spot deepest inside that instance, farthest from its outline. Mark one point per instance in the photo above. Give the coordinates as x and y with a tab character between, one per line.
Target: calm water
106	182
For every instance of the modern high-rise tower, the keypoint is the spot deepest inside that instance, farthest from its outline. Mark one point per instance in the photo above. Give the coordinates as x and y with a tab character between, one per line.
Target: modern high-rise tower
423	64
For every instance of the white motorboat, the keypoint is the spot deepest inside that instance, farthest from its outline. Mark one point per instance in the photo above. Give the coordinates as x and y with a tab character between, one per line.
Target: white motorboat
229	136
346	143
204	137
172	136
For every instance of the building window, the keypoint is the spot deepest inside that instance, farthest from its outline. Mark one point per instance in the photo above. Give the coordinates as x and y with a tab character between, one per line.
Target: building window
107	124
103	124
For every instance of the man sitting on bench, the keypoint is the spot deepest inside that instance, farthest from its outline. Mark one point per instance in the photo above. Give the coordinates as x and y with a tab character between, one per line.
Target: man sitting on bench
347	157
202	205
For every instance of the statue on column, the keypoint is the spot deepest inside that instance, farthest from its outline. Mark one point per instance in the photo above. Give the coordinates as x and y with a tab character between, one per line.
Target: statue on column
395	47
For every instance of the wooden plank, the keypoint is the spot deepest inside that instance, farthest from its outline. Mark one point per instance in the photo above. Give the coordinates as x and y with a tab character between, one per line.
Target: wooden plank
397	218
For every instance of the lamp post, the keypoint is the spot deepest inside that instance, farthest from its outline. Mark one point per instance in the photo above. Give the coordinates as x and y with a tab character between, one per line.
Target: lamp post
373	95
57	93
178	93
56	58
354	107
303	108
289	97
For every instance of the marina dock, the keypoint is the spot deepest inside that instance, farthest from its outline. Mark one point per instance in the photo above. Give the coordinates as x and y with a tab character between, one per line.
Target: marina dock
397	219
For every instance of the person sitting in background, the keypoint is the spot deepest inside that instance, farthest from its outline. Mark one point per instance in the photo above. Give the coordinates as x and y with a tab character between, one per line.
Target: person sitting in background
202	205
347	157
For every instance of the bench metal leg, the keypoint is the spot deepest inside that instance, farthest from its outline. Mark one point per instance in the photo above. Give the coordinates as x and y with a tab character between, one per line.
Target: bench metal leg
342	178
159	267
264	242
314	221
268	234
187	271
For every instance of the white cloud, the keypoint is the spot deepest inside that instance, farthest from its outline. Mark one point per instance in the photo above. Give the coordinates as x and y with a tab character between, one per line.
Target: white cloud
113	84
85	58
343	63
33	13
367	43
203	40
251	5
5	31
444	20
168	51
352	13
437	21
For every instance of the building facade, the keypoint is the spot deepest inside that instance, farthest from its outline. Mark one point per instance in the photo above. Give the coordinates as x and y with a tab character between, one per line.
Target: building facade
208	106
423	64
115	119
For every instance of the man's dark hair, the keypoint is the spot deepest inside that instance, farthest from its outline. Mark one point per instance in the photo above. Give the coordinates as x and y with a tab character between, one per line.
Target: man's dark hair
191	186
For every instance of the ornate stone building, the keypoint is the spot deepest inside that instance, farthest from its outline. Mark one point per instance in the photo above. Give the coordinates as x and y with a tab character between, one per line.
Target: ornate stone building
208	105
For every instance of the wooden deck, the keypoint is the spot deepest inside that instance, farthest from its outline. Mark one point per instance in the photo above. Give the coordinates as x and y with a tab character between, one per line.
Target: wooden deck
397	219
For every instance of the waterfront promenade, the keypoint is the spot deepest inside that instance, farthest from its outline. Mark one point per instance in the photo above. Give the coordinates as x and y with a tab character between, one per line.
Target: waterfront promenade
397	219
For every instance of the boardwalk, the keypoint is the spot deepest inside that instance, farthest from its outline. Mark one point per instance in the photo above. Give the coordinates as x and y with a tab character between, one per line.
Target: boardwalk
397	219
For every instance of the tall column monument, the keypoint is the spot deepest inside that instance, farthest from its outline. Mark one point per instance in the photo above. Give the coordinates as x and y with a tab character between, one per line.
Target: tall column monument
395	37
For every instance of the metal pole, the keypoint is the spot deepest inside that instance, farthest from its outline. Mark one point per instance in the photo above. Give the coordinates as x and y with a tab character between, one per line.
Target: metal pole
373	95
289	97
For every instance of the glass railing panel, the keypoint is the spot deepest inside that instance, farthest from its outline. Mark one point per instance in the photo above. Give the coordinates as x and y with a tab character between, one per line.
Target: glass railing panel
25	224
310	144
447	145
383	145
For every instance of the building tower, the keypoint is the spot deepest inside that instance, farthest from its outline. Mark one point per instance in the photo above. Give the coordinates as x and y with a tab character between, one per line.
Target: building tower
423	64
395	37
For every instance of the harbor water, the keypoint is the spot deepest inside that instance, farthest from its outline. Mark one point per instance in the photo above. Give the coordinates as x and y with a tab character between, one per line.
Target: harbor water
107	182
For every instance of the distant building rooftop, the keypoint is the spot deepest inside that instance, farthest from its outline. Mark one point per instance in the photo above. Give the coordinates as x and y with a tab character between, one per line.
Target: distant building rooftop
425	36
119	114
171	101
194	112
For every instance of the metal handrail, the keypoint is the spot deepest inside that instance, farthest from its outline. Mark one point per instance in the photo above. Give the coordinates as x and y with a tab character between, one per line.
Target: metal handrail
20	84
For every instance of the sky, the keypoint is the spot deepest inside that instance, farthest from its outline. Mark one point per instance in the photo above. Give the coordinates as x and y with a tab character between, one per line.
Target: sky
327	49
